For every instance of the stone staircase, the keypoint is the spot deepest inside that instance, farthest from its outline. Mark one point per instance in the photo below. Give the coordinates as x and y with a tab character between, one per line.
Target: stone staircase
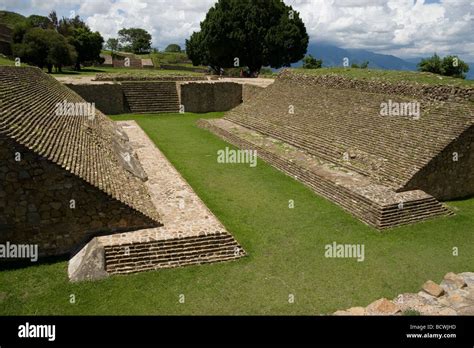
137	257
151	97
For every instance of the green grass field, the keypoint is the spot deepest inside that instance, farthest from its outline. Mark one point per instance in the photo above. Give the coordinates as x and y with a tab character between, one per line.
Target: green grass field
285	248
390	75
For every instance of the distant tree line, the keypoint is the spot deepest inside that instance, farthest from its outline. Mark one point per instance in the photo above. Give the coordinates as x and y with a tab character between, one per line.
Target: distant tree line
51	42
447	66
309	62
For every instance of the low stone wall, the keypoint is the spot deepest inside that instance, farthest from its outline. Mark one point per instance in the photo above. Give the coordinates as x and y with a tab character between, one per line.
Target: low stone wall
108	98
199	97
209	97
249	91
453	296
411	89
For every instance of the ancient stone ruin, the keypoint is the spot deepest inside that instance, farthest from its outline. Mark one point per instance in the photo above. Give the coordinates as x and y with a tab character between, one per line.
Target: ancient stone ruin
329	133
453	296
72	182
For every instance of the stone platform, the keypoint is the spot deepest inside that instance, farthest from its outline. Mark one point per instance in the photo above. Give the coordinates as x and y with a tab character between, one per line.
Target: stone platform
375	204
190	234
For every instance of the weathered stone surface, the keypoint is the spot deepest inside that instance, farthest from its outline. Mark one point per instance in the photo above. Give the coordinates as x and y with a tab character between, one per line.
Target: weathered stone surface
468	278
447	311
62	159
433	289
430	301
452	281
382	306
356	311
210	96
88	263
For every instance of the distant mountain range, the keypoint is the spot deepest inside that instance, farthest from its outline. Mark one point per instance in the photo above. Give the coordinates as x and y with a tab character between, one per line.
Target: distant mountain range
333	56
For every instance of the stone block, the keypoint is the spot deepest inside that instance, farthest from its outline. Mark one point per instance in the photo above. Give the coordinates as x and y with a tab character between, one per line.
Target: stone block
382	306
433	289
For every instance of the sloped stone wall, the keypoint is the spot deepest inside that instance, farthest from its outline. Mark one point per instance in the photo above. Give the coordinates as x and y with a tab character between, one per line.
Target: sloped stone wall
209	97
441	92
450	175
249	91
35	205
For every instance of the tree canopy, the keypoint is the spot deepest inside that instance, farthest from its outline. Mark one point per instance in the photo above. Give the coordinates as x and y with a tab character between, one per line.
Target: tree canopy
135	40
252	33
88	45
45	48
448	66
113	44
173	48
49	41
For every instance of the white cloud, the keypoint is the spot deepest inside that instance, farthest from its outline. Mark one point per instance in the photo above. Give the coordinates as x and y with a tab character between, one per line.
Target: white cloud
401	27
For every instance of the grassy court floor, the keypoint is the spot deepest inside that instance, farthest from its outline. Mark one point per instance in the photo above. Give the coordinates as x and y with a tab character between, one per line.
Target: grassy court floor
285	247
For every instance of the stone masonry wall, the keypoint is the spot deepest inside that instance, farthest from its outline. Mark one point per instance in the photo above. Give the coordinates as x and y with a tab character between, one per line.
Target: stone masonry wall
209	97
450	175
35	198
108	98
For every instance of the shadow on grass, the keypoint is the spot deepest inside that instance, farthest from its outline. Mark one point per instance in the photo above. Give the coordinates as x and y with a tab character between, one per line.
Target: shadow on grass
25	263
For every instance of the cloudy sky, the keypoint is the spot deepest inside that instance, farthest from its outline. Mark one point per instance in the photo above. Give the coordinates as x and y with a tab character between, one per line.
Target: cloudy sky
405	28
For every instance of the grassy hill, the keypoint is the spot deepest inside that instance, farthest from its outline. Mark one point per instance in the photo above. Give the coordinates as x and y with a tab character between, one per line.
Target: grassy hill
6	61
10	19
390	76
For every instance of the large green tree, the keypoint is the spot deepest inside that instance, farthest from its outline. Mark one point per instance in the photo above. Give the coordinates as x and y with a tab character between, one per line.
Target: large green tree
252	33
88	45
60	52
113	45
135	40
44	48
